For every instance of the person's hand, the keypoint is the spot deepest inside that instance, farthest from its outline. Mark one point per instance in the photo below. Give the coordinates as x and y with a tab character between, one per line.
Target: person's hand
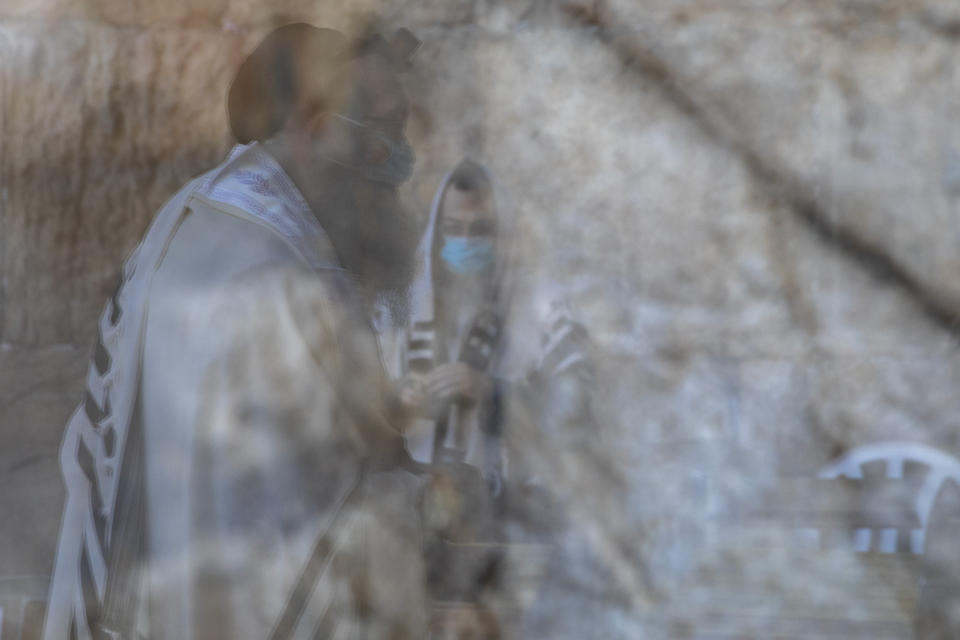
413	393
431	395
455	382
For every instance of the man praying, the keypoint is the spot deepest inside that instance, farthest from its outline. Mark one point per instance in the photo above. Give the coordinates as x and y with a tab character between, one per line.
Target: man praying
235	469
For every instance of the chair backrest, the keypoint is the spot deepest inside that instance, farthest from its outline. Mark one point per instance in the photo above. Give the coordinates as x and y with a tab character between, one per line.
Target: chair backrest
927	467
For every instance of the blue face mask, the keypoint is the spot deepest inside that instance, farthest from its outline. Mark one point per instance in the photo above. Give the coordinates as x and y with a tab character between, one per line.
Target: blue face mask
395	169
467	256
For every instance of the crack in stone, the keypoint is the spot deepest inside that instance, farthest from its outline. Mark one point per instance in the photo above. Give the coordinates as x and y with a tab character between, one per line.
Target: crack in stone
599	19
947	27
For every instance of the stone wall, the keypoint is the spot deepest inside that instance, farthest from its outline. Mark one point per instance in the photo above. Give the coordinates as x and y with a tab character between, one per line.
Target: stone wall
753	203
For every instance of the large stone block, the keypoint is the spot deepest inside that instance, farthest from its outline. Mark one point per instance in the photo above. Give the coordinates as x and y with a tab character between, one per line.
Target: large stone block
100	126
846	106
39	389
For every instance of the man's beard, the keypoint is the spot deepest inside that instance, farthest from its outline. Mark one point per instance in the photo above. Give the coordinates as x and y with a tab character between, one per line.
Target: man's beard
375	237
386	257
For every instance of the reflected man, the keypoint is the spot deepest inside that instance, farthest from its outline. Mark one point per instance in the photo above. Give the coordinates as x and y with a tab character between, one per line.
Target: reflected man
225	471
477	337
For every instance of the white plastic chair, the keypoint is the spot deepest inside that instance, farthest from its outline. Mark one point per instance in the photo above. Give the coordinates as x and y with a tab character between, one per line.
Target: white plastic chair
940	468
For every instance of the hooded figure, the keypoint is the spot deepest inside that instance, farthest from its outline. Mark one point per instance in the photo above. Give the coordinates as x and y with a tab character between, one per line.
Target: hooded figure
476	335
485	359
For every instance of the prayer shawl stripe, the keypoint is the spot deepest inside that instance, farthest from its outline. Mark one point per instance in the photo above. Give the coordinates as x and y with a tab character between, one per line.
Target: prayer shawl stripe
302	596
109	436
101	357
420	354
561	354
93	555
109	332
95	414
557	321
569	333
114	304
98	396
552	340
317	620
560	322
422	335
121	324
571	360
326	627
88	466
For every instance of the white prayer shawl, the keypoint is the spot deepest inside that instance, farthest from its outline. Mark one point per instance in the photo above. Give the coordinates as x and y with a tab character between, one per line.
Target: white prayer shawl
250	185
420	345
534	332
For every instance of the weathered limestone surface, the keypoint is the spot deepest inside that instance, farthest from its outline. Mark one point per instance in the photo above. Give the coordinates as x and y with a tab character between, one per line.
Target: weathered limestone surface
38	391
99	129
753	204
849	107
750	344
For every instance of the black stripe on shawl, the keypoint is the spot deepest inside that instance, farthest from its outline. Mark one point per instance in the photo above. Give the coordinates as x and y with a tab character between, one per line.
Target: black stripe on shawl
493	421
304	587
578	331
85	459
101	357
421	364
320	556
420	344
566	348
115	309
480	342
94	413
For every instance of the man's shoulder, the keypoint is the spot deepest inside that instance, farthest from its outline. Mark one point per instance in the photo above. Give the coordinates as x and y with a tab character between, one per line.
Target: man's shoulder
218	255
217	220
211	243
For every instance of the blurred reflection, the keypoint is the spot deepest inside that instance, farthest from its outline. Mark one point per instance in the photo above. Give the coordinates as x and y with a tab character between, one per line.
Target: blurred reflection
262	453
235	470
470	337
474	347
909	503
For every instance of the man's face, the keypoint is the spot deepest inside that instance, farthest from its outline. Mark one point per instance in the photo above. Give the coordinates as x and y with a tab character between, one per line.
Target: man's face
379	100
467	213
467	229
380	235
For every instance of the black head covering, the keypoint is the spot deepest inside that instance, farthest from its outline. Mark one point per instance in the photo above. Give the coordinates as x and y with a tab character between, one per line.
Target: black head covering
271	81
298	62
